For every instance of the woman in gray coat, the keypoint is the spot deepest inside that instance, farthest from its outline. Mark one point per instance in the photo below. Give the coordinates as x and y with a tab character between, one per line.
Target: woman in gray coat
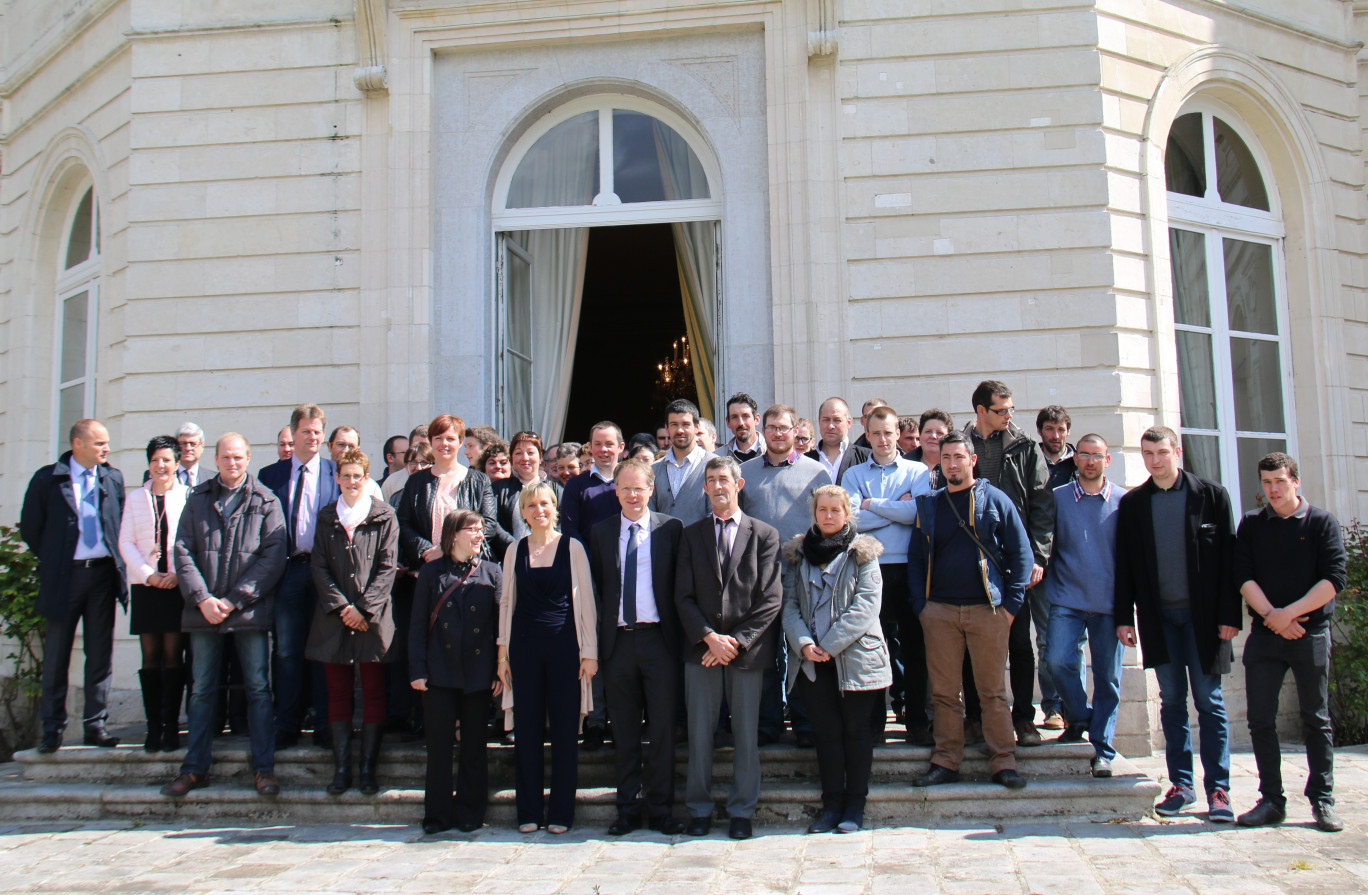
355	557
837	654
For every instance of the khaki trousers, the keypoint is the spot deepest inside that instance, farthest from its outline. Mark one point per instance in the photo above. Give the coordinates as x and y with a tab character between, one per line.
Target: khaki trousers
949	630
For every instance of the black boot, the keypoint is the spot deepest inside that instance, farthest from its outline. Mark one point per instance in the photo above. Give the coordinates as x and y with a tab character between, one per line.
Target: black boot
173	688
341	749
370	757
150	679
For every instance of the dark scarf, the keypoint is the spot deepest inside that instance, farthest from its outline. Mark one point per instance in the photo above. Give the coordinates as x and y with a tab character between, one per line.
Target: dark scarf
819	549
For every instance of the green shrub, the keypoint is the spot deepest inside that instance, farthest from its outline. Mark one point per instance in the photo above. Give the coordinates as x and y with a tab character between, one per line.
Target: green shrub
20	624
1349	665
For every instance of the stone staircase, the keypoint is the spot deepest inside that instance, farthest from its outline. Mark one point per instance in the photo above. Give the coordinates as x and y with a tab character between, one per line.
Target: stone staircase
84	783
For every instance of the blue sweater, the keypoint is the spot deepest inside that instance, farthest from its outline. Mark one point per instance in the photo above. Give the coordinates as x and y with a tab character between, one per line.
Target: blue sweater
587	499
889	518
1082	570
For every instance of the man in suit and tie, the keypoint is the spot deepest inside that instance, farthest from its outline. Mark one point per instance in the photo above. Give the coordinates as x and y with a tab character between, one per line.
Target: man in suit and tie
728	594
304	484
679	474
70	520
192	472
632	556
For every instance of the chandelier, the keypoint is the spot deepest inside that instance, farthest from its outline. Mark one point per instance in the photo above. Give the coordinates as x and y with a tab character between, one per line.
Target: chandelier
673	375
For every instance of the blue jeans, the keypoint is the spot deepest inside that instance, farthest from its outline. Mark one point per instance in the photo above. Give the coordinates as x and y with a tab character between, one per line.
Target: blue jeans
1184	667
254	655
295	602
1067	628
1050	695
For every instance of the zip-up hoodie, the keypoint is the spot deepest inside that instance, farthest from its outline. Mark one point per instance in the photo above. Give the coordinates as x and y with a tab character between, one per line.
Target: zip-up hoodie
997	524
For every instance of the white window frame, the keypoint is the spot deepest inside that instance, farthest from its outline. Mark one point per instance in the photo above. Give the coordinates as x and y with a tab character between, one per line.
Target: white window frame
1216	220
83	277
607	209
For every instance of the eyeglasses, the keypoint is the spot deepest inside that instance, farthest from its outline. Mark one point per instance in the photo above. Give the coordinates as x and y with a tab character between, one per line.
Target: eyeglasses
1002	411
351	477
777	430
1098	457
802	439
636	492
474	530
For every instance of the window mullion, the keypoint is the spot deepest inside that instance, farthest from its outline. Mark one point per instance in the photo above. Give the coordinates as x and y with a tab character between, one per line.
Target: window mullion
1213	193
607	187
1220	346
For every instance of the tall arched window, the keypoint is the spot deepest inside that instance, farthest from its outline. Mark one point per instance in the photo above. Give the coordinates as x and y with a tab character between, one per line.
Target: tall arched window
1229	303
77	304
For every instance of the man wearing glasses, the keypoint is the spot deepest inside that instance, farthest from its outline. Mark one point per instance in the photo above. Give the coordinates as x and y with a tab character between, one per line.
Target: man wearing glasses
779	486
1011	461
190	437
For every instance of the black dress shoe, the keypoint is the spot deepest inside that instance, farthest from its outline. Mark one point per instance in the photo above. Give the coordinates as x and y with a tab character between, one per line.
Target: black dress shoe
1327	819
50	744
936	776
469	827
98	736
625	823
1009	778
698	826
825	822
1265	814
740	828
670	826
433	827
1074	733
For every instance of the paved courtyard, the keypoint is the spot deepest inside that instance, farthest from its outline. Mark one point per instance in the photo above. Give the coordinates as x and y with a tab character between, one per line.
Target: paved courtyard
1186	855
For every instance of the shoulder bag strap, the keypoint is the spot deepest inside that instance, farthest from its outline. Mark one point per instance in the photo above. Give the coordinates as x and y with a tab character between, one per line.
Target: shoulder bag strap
964	527
446	595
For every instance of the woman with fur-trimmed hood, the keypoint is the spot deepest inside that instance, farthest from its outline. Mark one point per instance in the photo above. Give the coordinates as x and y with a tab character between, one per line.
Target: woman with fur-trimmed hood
837	655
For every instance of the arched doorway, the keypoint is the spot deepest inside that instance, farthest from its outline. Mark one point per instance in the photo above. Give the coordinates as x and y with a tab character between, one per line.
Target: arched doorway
605	161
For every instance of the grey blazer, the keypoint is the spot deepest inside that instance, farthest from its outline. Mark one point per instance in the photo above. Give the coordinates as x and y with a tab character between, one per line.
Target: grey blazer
691	504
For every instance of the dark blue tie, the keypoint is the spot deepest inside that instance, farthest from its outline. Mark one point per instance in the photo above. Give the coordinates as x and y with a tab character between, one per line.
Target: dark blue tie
629	572
89	537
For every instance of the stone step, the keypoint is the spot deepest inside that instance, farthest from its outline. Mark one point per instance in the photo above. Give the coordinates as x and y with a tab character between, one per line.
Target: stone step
1128	795
402	764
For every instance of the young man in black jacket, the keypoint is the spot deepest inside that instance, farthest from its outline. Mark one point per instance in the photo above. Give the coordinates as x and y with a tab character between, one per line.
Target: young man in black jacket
1290	563
1174	553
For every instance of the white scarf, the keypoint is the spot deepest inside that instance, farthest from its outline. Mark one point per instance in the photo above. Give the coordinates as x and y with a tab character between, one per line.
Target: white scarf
352	517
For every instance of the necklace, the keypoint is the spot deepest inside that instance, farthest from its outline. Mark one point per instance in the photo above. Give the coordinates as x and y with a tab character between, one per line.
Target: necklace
158	517
537	551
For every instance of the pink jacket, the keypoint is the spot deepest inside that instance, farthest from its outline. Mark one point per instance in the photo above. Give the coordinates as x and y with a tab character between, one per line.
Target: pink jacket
138	531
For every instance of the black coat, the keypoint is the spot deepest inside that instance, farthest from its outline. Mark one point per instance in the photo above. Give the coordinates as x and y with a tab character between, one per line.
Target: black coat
48	523
415	512
607	573
1025	479
358	571
746	606
1212	593
460	652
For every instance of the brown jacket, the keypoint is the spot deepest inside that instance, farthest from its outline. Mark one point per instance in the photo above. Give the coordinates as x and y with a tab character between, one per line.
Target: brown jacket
359	572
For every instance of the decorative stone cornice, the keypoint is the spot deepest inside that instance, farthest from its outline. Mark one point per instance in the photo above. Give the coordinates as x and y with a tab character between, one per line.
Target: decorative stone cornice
369	74
822	34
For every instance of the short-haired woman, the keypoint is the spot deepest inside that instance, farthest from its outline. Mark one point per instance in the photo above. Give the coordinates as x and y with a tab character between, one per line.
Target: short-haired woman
452	663
150	516
355	558
525	456
430	495
493	461
837	654
548	650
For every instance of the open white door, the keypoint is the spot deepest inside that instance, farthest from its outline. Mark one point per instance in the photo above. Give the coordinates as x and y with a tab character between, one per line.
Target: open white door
513	393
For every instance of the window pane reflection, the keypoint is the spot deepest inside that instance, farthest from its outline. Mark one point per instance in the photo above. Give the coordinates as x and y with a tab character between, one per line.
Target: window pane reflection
1202	456
78	242
1251	451
75	309
1257	374
70	407
1196	380
1187	254
1237	176
1184	160
561	168
652	163
1249	286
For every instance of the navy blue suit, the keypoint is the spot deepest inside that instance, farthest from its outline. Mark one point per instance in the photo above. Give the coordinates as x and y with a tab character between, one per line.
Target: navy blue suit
296	600
69	593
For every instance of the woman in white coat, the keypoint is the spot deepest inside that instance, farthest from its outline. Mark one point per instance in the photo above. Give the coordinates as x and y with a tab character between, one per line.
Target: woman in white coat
150	516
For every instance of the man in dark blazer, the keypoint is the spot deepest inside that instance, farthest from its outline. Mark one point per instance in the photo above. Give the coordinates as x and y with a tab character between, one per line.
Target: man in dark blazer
678	489
304	484
1175	556
632	556
834	450
728	593
70	520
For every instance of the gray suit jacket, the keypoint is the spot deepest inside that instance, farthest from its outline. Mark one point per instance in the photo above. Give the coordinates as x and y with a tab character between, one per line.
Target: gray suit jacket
691	504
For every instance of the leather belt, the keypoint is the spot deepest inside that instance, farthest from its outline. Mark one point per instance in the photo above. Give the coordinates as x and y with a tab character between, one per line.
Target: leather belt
638	626
91	563
302	557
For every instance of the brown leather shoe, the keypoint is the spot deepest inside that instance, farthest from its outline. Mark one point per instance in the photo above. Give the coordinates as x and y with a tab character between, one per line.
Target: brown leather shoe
1026	734
266	783
183	784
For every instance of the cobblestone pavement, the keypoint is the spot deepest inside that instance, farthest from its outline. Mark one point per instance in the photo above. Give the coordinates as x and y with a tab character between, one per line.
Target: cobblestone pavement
1187	855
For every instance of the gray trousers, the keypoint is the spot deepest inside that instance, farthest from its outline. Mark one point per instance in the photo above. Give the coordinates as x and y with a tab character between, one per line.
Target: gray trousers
703	689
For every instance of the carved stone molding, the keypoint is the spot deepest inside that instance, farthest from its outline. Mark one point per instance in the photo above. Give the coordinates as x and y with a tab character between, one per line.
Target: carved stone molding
369	74
822	34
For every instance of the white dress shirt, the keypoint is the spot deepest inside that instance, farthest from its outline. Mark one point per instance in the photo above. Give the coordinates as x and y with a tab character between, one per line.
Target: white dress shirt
86	515
306	514
645	593
678	472
832	466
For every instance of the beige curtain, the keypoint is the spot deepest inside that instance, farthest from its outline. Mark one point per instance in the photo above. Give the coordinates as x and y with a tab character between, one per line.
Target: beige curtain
557	294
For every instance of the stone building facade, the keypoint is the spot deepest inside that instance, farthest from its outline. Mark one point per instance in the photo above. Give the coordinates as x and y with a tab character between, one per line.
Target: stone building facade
1144	210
